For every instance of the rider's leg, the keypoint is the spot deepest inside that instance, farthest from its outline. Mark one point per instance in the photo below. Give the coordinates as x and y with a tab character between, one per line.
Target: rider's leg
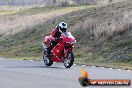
53	44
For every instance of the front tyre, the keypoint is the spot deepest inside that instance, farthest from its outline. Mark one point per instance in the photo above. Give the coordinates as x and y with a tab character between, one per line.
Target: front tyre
68	62
47	59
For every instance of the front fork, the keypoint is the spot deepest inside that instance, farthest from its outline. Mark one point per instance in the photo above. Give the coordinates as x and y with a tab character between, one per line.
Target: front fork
66	52
47	51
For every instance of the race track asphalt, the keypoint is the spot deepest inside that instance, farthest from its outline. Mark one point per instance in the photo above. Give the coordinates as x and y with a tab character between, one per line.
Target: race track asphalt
33	74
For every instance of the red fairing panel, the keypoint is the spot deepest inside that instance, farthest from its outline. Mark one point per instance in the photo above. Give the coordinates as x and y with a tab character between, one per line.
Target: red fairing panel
57	52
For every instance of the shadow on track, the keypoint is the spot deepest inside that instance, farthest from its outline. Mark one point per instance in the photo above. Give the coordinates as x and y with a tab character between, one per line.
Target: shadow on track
34	67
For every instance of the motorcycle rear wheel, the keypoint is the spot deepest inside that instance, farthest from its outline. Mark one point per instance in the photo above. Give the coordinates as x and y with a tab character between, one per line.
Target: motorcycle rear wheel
68	62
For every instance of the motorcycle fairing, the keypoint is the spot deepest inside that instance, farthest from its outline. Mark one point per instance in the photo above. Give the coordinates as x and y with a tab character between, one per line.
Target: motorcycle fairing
68	37
57	52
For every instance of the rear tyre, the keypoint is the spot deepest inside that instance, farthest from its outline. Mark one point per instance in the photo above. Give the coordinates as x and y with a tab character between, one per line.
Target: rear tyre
68	62
47	59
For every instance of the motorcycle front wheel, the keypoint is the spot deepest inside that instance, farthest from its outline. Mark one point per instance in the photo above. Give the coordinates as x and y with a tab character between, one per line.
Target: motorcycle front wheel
47	60
68	62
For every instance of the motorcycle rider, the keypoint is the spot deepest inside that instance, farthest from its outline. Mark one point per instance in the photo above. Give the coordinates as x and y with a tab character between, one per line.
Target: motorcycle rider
56	33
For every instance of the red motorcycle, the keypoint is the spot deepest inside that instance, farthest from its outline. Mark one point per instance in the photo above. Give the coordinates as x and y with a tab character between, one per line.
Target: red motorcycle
62	52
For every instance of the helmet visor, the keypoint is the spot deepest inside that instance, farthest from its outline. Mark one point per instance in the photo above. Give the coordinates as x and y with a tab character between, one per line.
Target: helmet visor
63	29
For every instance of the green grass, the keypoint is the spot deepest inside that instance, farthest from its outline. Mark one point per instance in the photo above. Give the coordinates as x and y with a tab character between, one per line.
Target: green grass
39	10
30	11
97	60
116	65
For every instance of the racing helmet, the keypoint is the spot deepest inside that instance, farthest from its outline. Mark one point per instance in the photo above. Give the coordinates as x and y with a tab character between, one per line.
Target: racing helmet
62	27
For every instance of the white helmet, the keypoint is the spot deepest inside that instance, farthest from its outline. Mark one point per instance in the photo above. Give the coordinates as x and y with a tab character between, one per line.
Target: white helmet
62	27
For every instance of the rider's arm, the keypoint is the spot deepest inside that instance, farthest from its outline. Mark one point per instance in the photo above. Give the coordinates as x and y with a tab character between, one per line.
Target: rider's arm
53	33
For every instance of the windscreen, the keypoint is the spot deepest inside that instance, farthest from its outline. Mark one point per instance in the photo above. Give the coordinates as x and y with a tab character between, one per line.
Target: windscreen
68	34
